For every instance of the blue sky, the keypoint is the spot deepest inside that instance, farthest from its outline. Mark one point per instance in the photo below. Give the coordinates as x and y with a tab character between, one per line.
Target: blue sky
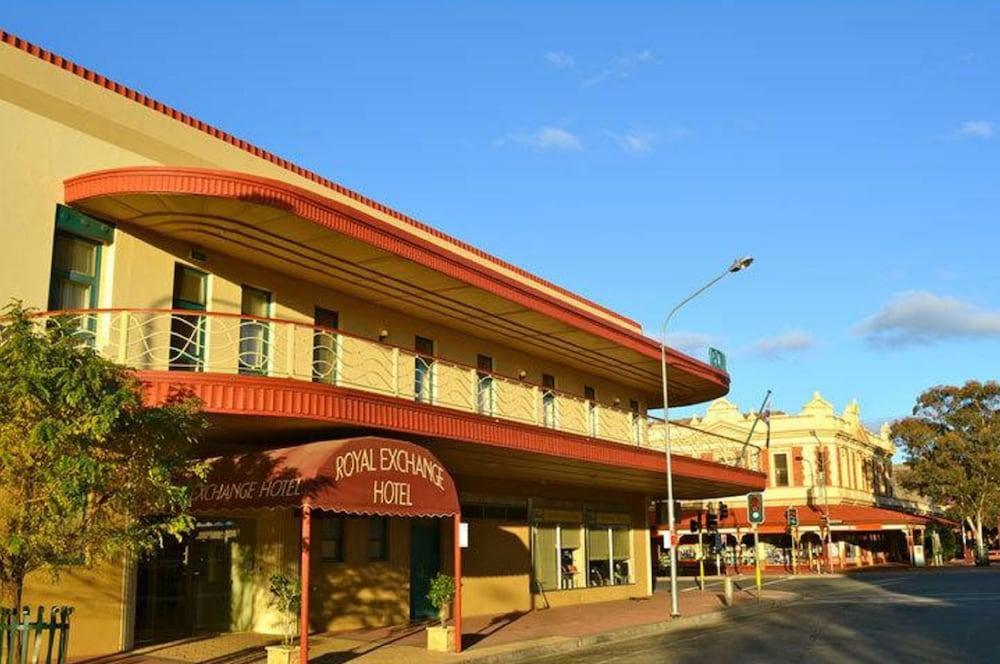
630	151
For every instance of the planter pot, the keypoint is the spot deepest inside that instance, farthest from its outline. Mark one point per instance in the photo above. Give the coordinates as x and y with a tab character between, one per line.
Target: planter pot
282	654
439	639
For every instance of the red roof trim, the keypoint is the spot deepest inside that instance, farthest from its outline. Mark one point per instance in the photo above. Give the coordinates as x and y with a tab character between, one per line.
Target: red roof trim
371	230
184	118
281	397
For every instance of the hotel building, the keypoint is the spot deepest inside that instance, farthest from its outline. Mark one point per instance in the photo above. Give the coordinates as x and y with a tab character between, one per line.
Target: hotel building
339	341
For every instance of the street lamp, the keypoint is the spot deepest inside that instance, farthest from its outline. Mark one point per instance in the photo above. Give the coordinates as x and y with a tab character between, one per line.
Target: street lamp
737	265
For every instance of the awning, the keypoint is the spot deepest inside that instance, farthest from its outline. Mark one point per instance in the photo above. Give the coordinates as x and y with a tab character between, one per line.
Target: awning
367	475
842	517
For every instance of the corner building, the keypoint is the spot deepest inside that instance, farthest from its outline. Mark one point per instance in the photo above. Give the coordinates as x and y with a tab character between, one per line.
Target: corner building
316	324
827	466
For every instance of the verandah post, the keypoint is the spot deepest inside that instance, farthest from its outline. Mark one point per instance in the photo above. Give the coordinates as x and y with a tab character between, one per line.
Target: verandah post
304	571
458	582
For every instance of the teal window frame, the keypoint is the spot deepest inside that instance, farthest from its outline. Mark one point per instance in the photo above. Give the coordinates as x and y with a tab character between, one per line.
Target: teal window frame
261	332
190	361
70	223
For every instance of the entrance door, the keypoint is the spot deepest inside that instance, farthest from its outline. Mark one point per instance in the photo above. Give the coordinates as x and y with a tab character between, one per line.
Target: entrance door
425	562
161	593
185	587
210	568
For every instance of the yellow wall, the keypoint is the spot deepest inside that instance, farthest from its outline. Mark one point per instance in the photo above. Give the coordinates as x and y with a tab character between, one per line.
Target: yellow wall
96	597
72	126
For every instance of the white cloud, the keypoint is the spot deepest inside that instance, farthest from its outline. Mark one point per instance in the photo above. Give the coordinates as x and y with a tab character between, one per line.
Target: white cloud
921	317
689	342
981	129
635	142
622	67
546	138
560	59
638	142
782	345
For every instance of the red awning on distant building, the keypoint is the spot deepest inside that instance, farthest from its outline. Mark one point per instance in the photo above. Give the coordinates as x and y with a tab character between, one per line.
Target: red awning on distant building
856	517
367	475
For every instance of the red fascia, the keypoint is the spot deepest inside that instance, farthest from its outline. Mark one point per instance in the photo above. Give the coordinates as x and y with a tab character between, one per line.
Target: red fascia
286	397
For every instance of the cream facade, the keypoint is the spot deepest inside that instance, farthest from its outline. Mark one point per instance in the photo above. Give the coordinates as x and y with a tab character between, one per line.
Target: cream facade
827	466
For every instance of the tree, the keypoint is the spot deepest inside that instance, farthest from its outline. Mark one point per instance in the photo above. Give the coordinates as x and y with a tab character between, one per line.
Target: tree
88	471
952	444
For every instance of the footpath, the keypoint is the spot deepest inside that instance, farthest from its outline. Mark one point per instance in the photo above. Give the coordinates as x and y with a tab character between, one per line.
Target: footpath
501	639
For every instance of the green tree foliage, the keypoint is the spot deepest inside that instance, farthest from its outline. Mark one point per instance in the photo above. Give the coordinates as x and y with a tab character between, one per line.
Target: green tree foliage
286	596
88	471
952	443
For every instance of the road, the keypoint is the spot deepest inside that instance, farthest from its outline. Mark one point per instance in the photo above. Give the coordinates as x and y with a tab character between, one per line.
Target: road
949	615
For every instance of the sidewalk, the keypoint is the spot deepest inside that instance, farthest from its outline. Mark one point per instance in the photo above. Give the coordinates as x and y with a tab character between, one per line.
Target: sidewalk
487	640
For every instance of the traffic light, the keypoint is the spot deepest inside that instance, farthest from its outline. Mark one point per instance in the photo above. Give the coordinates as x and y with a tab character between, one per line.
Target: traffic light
792	516
717	545
695	525
723	512
712	522
755	507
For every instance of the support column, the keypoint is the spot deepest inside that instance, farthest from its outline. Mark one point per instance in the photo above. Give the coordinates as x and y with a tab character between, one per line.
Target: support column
458	584
304	572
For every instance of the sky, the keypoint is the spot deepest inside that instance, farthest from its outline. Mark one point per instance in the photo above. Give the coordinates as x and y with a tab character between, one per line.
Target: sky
630	151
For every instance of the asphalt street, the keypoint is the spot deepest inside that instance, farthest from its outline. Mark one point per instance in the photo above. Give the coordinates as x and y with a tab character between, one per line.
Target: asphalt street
948	615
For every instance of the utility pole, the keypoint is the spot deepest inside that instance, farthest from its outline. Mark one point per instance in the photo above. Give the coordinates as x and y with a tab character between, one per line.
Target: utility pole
756	561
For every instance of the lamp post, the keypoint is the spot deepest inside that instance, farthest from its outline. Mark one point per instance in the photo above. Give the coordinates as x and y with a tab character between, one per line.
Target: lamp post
737	265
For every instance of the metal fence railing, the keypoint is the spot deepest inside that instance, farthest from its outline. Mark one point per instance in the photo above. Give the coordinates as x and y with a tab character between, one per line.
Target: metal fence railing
42	639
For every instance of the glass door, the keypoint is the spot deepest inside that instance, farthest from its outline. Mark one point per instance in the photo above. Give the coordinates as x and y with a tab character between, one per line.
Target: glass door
255	331
324	365
187	331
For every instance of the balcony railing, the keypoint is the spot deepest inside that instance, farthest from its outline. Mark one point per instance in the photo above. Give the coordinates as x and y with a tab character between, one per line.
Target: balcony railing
199	341
691	441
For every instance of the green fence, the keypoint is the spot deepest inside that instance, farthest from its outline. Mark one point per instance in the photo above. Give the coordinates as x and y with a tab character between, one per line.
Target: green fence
24	640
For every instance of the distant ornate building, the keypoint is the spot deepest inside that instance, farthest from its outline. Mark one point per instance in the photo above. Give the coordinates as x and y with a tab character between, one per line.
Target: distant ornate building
830	467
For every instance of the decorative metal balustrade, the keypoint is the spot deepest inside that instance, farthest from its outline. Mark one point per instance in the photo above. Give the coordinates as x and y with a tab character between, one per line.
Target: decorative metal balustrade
688	440
198	341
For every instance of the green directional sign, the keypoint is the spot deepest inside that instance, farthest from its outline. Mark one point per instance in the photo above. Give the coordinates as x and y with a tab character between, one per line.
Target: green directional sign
717	359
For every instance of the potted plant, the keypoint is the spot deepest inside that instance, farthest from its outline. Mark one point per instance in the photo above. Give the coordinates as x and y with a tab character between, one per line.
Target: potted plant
286	597
441	638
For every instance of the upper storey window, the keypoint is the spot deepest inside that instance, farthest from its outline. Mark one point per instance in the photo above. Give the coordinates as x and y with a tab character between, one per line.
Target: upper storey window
74	281
187	330
423	370
549	413
780	470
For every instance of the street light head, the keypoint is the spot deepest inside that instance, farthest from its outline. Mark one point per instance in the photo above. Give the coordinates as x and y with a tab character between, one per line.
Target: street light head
741	264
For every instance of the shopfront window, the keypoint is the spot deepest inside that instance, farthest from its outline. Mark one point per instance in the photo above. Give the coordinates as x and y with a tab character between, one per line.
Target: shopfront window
559	556
332	539
609	552
567	554
378	538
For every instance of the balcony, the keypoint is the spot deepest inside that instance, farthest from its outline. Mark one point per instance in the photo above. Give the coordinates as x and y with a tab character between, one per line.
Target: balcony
221	343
